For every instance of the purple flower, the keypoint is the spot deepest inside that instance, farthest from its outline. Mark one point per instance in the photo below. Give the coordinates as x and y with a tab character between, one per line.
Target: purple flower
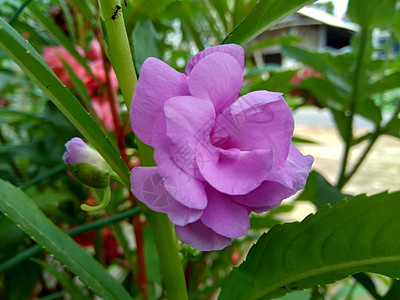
86	164
79	152
218	157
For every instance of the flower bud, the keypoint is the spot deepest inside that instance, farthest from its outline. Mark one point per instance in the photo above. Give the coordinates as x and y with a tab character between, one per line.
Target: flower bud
86	164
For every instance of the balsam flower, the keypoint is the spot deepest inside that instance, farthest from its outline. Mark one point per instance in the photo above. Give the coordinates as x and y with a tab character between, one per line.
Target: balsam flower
218	157
86	164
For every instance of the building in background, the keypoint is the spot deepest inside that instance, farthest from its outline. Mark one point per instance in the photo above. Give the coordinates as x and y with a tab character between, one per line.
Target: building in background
316	29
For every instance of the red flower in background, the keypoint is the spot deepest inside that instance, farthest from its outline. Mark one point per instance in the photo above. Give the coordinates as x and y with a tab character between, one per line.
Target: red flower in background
54	57
301	75
305	73
97	89
110	245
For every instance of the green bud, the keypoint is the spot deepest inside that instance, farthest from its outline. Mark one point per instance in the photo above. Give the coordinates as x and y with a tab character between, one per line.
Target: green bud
90	174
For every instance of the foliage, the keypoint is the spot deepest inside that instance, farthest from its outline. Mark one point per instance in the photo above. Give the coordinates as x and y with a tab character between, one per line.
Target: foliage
350	237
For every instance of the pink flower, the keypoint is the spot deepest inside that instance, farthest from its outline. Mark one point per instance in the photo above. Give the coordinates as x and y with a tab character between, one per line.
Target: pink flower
94	52
86	164
305	73
77	151
54	56
218	157
98	91
102	108
96	87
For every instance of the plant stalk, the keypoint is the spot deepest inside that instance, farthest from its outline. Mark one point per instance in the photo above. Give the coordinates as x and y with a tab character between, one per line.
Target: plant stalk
352	106
120	57
117	47
164	235
350	174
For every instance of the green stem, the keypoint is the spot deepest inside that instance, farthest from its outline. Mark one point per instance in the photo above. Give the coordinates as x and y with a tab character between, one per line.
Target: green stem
102	205
121	60
353	103
171	267
372	141
118	53
164	235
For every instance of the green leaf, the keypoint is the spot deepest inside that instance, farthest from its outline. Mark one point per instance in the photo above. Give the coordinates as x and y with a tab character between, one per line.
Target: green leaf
27	215
153	266
11	238
319	191
25	276
187	14
372	13
35	67
368	109
144	9
286	39
78	84
393	127
20	257
394	291
221	6
265	14
20	9
58	35
367	283
71	288
360	235
388	82
82	92
334	67
325	92
262	221
340	121
278	82
241	9
267	220
87	9
146	42
362	138
296	139
68	20
301	295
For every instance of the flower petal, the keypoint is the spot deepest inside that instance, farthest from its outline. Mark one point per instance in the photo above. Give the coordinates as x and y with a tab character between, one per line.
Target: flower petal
184	127
233	171
225	216
149	187
186	190
77	151
258	120
201	237
270	193
217	77
234	50
158	82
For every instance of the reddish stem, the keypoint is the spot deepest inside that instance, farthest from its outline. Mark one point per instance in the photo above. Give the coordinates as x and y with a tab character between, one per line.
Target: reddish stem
120	135
112	100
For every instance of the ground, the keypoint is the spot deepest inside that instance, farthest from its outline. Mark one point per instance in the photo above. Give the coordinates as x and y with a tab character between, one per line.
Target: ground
380	171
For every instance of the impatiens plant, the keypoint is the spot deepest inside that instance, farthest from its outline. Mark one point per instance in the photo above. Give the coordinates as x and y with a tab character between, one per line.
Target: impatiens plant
218	157
203	215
